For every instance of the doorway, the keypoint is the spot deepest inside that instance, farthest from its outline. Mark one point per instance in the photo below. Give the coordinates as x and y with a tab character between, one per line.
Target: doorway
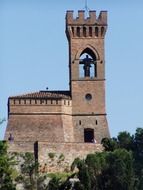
88	135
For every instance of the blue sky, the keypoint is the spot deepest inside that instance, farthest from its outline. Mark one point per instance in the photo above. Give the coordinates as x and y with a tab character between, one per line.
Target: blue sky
34	54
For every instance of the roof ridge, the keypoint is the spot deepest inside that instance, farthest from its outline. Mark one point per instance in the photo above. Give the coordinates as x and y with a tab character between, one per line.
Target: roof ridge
45	94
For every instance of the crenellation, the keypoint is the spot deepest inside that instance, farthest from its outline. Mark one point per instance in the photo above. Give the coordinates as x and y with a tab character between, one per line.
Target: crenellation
69	16
86	27
81	16
28	102
102	19
92	16
82	19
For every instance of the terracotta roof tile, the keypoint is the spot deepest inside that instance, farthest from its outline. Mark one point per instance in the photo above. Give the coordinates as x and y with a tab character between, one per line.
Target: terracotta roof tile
46	94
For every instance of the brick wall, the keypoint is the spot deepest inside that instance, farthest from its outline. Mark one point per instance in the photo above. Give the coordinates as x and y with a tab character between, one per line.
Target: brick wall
58	157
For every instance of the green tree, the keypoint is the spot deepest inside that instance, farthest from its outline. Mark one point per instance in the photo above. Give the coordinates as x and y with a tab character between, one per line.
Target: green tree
83	174
29	174
106	171
119	172
125	140
6	170
138	156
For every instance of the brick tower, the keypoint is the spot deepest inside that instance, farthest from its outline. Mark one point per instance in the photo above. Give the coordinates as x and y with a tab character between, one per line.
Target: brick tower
66	122
87	74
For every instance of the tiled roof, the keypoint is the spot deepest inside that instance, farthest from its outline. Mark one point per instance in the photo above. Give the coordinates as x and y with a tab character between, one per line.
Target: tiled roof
46	94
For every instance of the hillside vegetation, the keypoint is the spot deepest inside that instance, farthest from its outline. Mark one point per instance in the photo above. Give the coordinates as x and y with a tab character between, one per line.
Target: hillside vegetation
119	166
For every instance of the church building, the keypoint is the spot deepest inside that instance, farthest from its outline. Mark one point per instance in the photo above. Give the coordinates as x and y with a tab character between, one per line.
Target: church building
73	120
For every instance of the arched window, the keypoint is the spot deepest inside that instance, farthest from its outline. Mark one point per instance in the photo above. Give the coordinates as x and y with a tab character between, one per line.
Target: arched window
87	64
102	31
84	31
78	32
90	31
96	31
88	135
73	31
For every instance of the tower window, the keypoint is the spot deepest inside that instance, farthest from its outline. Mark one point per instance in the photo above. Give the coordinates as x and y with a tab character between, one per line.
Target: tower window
102	31
96	31
41	101
88	97
79	122
78	31
96	122
90	31
84	31
87	64
73	31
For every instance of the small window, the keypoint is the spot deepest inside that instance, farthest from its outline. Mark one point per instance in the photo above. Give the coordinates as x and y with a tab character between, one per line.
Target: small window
96	31
90	31
41	101
96	122
84	31
102	31
56	101
79	122
88	97
78	31
73	31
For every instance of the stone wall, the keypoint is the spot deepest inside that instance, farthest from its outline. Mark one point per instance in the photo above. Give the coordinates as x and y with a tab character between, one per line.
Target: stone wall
30	121
35	127
96	122
55	157
58	157
21	146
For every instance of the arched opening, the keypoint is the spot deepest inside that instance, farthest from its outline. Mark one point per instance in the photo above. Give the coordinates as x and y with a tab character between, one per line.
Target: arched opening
90	31
96	31
84	31
73	31
78	31
102	31
87	64
89	135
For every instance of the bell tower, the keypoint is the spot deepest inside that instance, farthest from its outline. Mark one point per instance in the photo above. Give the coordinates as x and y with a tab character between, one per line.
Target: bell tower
87	74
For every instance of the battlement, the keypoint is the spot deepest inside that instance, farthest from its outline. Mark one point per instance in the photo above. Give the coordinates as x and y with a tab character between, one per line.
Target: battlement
83	19
41	101
37	106
86	26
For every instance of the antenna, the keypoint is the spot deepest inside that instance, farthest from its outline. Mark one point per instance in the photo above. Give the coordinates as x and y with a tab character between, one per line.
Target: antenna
86	6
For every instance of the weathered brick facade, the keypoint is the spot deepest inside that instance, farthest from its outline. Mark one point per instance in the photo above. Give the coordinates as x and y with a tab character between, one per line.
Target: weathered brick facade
64	121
